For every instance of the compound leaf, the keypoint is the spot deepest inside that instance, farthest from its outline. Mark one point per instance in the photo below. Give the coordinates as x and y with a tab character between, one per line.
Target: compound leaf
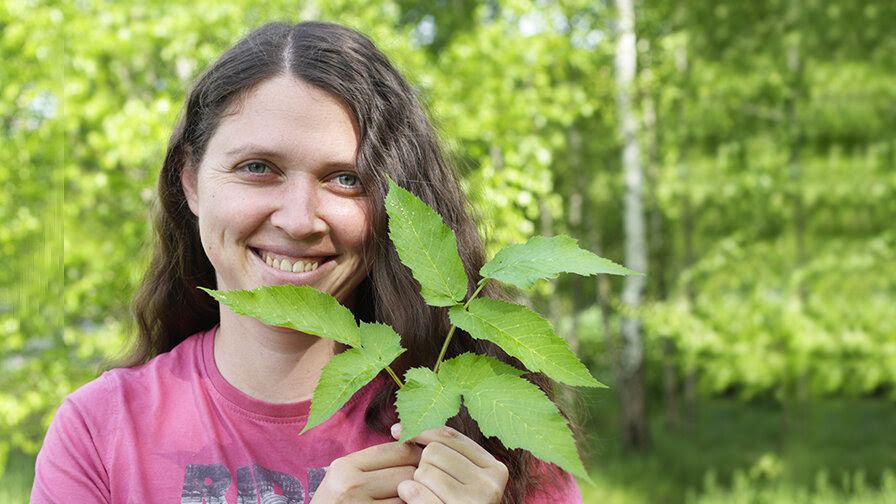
350	370
298	307
469	369
541	257
427	246
525	335
522	416
425	402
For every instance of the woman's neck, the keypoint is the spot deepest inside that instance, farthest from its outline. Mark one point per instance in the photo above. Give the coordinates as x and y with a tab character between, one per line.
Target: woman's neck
273	364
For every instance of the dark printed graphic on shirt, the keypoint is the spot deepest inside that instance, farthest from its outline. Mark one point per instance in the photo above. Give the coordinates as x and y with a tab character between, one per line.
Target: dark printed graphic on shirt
208	484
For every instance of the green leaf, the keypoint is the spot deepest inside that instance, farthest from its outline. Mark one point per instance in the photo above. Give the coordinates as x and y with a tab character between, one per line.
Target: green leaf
425	402
522	416
523	265
347	372
469	369
427	246
525	335
298	307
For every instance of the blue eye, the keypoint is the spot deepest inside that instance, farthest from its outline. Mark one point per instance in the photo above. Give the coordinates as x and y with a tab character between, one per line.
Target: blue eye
256	168
348	180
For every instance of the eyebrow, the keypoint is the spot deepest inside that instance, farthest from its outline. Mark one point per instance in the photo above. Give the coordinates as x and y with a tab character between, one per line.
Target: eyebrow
253	149
256	150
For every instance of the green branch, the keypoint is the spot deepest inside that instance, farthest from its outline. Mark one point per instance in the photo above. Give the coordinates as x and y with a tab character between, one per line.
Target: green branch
444	350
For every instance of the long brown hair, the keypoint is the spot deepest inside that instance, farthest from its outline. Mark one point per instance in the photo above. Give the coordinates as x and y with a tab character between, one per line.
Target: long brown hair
397	141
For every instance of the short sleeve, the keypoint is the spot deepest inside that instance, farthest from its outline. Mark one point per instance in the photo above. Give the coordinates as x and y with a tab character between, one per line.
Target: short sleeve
69	467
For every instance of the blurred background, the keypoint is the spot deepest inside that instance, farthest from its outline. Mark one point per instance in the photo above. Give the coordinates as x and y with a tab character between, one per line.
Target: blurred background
742	154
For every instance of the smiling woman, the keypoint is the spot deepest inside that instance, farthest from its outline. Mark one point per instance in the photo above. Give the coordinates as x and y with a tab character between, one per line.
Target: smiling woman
277	195
277	174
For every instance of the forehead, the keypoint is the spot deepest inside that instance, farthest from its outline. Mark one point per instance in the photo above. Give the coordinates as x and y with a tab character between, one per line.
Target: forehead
286	113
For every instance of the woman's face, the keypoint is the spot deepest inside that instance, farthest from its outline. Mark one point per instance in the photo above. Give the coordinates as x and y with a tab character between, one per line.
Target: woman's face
277	194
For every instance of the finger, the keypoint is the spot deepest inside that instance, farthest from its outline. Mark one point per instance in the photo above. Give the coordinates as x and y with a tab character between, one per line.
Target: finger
385	455
454	478
447	474
413	492
459	443
449	462
345	481
383	484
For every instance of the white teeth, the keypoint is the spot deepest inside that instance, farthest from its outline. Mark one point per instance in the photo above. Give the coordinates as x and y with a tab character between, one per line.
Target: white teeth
286	265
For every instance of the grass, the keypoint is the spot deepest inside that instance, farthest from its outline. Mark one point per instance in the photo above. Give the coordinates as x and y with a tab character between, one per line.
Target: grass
747	452
740	453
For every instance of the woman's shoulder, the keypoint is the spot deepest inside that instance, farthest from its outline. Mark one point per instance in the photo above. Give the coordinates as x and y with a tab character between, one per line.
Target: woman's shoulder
122	383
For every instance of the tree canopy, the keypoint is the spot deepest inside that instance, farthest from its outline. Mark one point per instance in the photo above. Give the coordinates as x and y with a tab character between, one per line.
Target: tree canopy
768	142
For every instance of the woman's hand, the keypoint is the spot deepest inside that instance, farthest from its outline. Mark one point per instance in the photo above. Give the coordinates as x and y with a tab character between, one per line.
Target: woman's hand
453	469
371	474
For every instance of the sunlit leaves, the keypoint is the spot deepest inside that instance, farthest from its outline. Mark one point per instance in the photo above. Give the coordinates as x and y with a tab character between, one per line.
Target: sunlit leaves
298	307
525	335
427	246
546	257
426	401
505	404
502	403
519	413
350	370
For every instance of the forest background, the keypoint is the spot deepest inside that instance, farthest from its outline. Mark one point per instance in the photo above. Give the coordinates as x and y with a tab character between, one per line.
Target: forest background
742	154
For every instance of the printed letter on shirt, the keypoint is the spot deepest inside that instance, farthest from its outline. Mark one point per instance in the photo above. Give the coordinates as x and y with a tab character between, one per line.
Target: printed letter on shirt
205	483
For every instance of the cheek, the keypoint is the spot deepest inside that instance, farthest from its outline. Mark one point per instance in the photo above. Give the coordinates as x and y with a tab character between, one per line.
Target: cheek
353	222
364	228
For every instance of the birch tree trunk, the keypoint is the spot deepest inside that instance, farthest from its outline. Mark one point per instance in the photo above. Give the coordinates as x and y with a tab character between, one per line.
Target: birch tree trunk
630	379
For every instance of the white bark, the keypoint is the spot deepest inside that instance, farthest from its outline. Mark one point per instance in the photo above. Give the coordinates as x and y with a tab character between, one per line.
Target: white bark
635	229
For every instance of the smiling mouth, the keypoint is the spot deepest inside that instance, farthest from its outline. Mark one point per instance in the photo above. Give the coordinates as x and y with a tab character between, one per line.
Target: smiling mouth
294	265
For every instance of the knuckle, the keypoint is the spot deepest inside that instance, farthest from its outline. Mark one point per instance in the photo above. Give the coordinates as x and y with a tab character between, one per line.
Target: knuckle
502	471
431	450
338	466
448	432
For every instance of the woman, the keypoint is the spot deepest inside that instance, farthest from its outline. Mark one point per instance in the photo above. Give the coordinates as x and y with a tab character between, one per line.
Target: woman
275	174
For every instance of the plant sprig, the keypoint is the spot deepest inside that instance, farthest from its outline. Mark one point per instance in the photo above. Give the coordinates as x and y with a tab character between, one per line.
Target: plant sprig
503	403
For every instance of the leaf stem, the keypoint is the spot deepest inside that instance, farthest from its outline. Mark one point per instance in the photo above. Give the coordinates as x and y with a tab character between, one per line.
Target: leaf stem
394	376
476	293
444	350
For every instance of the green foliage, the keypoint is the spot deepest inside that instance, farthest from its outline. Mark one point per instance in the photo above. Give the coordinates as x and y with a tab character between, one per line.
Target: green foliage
297	307
542	257
746	490
426	246
503	403
525	335
426	401
350	370
521	416
772	190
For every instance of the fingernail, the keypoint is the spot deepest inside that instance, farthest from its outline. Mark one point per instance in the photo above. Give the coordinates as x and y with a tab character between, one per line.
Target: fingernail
396	431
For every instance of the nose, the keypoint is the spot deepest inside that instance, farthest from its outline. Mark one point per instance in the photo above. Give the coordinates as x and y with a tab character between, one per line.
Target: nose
297	210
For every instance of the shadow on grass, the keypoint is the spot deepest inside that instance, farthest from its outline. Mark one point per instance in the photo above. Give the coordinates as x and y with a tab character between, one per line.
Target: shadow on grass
750	446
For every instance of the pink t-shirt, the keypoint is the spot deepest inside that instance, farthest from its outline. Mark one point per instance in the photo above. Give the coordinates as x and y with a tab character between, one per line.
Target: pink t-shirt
174	430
